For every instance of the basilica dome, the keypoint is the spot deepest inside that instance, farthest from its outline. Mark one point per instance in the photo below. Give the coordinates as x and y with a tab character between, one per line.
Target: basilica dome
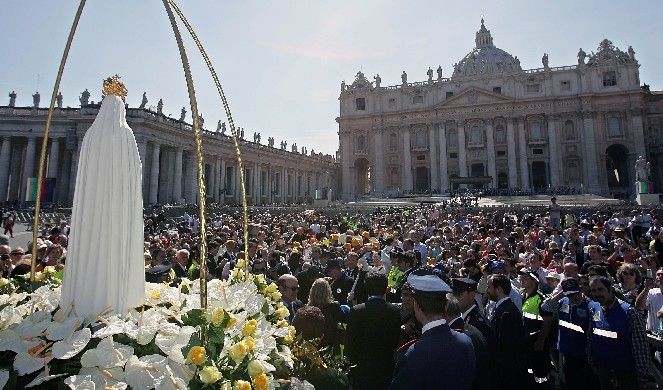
485	58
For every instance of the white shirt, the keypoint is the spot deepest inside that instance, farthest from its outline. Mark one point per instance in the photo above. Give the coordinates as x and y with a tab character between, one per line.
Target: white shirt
654	304
431	325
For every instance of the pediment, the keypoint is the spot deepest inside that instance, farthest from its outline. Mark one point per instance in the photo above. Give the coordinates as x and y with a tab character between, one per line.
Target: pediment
473	96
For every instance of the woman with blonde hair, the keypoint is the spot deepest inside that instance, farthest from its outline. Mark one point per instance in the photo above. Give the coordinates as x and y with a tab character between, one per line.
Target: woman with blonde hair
321	297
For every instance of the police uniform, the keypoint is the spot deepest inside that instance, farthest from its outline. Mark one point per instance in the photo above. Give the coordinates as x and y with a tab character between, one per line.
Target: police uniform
441	357
610	342
533	316
473	315
574	323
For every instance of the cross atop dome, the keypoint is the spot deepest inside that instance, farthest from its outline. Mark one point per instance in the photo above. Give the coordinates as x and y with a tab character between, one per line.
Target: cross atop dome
483	37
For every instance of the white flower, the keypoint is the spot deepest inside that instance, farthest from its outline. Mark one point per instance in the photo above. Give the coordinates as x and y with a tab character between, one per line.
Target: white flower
144	325
146	372
43	377
174	380
11	341
103	378
25	363
34	324
113	325
72	345
107	354
61	330
80	382
46	298
171	339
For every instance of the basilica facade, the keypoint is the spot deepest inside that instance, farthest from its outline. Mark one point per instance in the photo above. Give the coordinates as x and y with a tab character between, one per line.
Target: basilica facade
274	174
494	124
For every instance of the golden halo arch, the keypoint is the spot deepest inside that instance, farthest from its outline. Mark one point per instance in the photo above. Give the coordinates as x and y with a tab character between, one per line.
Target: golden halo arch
170	6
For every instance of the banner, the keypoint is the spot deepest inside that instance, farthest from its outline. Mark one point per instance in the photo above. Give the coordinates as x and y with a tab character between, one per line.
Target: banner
47	190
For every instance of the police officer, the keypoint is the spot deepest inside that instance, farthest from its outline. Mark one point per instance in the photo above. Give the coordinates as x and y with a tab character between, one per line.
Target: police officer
441	358
618	346
537	328
572	310
464	289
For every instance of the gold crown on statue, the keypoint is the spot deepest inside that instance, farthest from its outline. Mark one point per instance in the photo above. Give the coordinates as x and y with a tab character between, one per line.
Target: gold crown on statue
113	86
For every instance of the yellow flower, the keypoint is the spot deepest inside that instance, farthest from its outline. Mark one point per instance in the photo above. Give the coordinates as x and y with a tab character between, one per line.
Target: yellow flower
276	296
4	282
238	351
261	382
209	374
249	327
255	368
282	323
242	385
196	355
250	343
290	337
231	322
272	288
237	273
155	294
49	269
282	311
40	277
240	264
215	316
261	279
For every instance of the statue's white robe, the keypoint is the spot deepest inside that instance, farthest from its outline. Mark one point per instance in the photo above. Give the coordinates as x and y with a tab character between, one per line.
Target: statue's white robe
105	265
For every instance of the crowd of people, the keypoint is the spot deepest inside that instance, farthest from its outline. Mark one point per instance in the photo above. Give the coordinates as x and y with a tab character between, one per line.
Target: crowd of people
431	297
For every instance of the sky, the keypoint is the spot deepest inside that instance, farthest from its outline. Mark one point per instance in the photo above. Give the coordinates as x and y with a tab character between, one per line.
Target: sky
281	62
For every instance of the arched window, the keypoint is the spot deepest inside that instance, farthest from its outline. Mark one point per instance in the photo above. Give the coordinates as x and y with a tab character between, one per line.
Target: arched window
500	135
361	142
569	130
393	141
452	138
614	126
420	139
535	131
475	135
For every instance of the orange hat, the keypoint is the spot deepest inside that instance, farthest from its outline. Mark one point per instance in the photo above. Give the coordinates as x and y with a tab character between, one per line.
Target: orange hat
347	245
355	242
365	234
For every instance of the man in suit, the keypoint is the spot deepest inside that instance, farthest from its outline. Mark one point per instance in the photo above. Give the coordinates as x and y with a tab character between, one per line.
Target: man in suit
454	317
372	336
341	284
509	351
464	289
288	287
442	358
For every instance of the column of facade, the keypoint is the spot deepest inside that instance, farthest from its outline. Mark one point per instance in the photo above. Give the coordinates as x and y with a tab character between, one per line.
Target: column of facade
511	154
346	153
216	172
54	159
462	154
378	155
638	134
154	173
192	178
589	159
256	183
434	175
490	152
444	171
177	177
238	183
29	166
75	156
407	162
553	151
522	149
5	162
145	180
63	177
15	172
222	178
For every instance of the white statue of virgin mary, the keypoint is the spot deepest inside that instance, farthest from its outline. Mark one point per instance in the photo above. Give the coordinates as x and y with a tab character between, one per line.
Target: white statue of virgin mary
105	271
